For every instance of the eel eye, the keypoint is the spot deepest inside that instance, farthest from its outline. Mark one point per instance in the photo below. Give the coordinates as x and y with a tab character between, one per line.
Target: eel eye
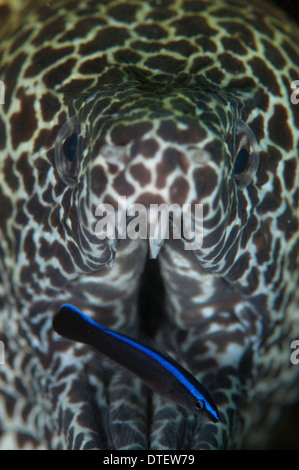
199	405
67	150
241	161
70	147
246	155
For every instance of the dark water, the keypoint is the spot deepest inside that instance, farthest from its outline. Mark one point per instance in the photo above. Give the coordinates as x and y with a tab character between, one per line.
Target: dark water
290	6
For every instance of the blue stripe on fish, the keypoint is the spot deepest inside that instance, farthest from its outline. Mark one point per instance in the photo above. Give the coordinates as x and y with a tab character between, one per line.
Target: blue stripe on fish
159	371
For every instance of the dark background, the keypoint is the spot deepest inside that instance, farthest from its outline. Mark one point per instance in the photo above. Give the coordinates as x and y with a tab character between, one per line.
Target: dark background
290	6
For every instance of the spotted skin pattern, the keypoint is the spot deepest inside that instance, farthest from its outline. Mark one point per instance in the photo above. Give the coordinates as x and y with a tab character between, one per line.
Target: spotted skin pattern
155	89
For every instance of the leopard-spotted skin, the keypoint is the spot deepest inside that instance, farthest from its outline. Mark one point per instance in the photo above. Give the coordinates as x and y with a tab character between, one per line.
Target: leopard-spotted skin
155	89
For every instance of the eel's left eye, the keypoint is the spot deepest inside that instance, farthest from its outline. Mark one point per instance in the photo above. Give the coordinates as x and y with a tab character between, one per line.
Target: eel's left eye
246	155
66	151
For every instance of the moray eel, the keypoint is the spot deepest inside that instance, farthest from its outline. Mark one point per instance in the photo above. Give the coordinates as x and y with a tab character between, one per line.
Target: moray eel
161	102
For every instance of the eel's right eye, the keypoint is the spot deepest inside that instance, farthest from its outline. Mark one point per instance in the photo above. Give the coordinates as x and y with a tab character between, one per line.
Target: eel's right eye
67	150
241	161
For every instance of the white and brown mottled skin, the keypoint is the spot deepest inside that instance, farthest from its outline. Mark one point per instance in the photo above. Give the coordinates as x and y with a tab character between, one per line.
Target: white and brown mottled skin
156	88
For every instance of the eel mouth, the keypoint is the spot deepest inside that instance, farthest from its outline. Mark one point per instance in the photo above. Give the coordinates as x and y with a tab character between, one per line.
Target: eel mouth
151	299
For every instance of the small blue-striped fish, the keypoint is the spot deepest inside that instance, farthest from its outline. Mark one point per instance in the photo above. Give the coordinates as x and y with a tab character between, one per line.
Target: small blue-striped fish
159	371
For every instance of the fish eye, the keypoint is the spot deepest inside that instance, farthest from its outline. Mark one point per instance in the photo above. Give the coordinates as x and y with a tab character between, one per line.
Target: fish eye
66	151
241	161
199	405
246	155
70	147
